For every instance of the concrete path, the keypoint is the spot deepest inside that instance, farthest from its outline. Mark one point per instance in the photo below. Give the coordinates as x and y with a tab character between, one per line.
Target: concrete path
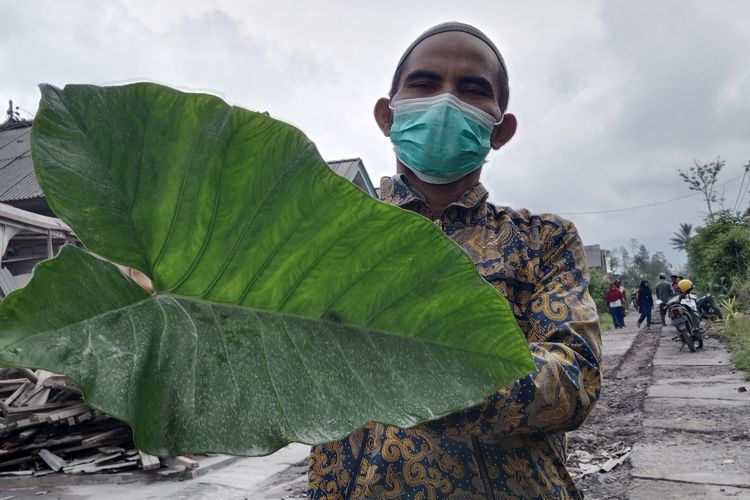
696	436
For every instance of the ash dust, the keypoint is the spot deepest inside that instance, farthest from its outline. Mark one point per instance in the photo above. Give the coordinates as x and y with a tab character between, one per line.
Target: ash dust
614	426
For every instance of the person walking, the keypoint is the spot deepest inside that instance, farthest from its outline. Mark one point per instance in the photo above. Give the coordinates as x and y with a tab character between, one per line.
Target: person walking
644	303
616	303
664	292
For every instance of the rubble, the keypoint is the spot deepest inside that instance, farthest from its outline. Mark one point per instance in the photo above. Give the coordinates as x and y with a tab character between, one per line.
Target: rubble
46	427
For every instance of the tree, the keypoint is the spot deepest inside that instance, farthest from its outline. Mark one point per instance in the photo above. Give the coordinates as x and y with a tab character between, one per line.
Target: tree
702	178
682	237
598	287
719	254
643	265
613	262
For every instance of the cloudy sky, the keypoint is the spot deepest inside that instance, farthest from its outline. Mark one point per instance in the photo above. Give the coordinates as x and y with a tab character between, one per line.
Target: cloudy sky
612	97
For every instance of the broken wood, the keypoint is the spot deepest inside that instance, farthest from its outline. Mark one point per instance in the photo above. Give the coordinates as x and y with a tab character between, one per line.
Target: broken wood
46	427
55	463
149	462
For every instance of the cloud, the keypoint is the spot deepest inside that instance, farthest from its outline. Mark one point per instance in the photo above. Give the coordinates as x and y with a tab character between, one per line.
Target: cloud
612	97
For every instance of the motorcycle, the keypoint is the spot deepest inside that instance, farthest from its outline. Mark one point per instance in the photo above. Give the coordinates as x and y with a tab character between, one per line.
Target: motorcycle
708	309
685	311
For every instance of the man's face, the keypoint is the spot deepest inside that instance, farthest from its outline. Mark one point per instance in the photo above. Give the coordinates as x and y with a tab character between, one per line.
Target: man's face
453	62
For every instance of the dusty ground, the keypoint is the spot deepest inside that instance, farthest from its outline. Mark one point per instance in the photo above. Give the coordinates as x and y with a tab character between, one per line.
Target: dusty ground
616	423
684	416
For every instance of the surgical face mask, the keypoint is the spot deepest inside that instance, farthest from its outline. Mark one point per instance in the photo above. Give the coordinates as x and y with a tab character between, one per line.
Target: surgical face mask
440	138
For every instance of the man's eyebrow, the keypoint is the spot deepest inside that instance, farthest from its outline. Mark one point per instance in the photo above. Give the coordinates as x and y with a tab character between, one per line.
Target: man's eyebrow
479	81
422	73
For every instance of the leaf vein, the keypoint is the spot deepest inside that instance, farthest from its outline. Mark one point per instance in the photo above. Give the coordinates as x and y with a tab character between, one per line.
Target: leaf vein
189	167
251	220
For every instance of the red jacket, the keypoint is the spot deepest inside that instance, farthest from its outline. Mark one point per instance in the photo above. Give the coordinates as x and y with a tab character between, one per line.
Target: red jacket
614	294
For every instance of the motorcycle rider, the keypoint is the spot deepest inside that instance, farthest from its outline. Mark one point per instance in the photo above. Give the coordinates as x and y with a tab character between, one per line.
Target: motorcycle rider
664	292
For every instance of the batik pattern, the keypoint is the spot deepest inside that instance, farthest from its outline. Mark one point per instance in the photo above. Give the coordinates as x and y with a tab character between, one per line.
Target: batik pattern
512	445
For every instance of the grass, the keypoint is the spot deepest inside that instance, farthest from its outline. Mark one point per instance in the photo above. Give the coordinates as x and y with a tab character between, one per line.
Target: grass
736	333
605	322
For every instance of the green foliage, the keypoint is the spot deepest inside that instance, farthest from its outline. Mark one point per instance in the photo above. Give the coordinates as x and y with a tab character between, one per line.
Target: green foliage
289	306
736	333
719	253
598	286
729	306
641	264
605	321
739	293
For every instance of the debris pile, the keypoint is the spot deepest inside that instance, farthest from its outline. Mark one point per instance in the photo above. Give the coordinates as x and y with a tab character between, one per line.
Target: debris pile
604	459
46	427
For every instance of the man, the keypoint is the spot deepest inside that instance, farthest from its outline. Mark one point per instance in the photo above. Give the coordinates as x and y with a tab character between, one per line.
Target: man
675	280
664	292
447	108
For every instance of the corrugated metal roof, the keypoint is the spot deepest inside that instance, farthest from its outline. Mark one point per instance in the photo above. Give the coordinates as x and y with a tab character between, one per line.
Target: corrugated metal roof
17	179
345	168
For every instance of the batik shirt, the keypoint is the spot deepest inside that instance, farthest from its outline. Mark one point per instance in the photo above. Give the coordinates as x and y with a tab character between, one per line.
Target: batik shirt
512	445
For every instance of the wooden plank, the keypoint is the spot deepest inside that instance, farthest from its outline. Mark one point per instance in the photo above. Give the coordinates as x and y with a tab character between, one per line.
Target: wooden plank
17	473
92	469
13	397
112	442
181	462
83	417
11	381
53	461
29	374
69	412
36	408
109	450
19	460
102	436
149	462
27	434
41	393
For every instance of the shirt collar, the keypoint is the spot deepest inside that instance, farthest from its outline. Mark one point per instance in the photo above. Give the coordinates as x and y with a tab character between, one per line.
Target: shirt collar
396	190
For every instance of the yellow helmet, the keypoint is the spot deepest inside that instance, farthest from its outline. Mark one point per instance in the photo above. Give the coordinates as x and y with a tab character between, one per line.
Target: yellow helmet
685	285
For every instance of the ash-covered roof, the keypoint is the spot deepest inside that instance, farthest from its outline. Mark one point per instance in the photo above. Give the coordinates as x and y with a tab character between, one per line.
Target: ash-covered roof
354	170
17	179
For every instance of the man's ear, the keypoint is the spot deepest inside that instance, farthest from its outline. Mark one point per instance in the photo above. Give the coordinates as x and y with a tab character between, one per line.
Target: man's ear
384	115
504	132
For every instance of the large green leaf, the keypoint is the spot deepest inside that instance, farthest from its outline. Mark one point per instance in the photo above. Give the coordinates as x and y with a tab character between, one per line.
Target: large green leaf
289	306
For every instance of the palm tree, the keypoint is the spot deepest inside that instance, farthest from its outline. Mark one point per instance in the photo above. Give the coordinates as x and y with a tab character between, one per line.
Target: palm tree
682	237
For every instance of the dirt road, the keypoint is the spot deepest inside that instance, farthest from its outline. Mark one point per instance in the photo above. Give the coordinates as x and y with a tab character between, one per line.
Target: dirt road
684	417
